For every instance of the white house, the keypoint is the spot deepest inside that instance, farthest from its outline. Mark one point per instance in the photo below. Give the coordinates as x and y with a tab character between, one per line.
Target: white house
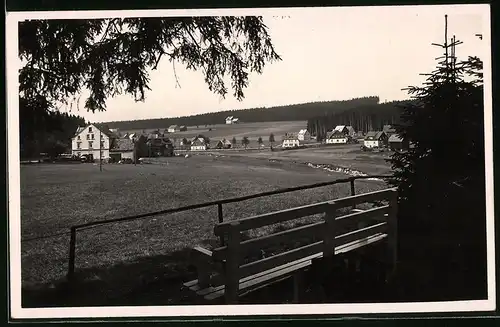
304	135
232	120
375	139
336	137
290	141
94	140
173	129
198	144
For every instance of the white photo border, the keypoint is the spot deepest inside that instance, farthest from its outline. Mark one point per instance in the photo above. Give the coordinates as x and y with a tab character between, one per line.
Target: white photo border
16	310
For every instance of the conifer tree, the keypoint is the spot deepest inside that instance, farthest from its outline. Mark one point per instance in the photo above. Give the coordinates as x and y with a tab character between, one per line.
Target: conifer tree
441	178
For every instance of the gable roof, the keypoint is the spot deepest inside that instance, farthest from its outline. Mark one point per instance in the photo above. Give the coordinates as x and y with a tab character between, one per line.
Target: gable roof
336	135
302	131
374	135
79	130
172	126
229	118
339	128
123	144
198	141
395	138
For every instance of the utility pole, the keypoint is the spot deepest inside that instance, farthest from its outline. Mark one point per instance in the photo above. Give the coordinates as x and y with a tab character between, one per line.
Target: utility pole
100	150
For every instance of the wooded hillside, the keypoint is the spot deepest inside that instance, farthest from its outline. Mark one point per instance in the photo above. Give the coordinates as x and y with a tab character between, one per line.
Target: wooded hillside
302	111
364	118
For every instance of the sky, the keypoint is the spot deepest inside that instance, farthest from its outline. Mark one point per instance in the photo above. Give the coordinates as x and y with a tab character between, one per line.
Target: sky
327	54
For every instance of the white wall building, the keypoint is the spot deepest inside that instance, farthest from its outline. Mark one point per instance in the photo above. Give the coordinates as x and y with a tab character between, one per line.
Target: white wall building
289	142
94	140
198	145
336	138
304	135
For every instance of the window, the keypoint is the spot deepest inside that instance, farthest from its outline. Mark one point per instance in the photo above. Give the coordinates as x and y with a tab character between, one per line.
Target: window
90	129
78	137
92	136
78	145
91	144
88	136
103	144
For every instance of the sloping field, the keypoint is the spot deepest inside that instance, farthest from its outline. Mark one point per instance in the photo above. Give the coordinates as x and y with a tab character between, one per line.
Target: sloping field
251	130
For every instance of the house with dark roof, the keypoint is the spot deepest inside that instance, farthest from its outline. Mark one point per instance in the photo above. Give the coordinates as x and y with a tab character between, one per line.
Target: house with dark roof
223	144
183	128
398	143
199	144
160	147
93	140
375	139
336	137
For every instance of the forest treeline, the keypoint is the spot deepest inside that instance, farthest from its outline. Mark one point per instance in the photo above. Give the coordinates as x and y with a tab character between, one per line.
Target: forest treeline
363	118
293	112
50	132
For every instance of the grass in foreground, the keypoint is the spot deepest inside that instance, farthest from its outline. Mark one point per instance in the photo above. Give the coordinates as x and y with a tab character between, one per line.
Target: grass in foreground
129	258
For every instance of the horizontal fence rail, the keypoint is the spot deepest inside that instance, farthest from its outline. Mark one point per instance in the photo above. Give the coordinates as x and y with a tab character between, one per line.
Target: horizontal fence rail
218	203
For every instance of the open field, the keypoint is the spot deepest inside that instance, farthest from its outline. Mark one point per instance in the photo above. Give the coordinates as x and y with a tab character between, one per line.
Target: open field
138	253
346	156
251	130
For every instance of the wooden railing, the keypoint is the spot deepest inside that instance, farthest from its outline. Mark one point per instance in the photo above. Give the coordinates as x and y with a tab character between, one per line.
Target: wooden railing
219	204
337	234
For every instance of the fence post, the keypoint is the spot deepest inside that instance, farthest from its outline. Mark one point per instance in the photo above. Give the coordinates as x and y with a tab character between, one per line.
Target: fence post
329	232
71	263
232	271
392	232
221	219
353	192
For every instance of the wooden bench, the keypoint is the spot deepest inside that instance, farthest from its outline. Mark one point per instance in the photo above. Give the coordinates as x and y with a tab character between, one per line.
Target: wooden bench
230	277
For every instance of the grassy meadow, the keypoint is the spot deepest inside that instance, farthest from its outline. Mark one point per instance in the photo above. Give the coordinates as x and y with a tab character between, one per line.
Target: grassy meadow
119	259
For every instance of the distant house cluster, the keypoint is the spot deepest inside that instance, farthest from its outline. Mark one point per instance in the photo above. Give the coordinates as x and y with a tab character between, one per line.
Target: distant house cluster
386	138
98	142
232	120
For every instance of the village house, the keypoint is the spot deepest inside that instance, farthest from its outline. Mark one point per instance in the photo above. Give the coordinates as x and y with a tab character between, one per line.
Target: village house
232	120
199	144
397	143
160	146
93	140
304	135
375	139
346	130
173	129
183	128
122	148
223	144
290	141
336	137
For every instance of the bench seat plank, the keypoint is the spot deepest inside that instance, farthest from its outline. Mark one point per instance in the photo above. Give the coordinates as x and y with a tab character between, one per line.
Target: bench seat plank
254	282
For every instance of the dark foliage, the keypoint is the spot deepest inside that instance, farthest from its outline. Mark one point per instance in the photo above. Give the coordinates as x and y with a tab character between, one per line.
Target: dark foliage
363	118
296	112
65	58
441	180
49	131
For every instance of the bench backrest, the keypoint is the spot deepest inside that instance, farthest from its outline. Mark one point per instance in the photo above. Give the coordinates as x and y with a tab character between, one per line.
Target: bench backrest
332	233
